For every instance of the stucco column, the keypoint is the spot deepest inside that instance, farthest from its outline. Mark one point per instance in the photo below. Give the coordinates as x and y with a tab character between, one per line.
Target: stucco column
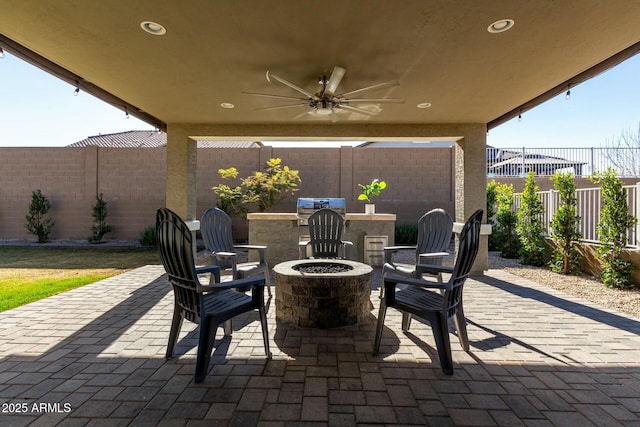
471	192
181	173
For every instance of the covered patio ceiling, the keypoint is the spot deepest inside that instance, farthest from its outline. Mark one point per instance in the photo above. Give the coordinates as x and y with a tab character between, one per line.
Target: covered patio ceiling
440	52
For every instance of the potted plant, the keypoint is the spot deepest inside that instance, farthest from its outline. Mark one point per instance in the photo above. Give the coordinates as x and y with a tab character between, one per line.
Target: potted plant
370	190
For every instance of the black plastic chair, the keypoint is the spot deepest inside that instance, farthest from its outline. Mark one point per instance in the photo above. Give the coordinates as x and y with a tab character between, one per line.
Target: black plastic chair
434	236
326	227
207	305
416	298
215	227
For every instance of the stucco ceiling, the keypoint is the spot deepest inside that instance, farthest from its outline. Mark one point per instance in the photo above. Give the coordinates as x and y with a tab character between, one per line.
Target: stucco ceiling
439	51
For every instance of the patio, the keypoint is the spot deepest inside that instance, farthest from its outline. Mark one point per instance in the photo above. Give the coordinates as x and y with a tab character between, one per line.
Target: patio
539	357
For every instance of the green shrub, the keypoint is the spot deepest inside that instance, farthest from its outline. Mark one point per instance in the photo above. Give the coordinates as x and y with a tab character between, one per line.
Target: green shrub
506	237
530	229
406	234
37	224
100	227
564	226
148	236
492	200
615	222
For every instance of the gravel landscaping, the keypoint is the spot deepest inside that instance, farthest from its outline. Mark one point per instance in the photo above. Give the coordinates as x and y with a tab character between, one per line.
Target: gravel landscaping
586	287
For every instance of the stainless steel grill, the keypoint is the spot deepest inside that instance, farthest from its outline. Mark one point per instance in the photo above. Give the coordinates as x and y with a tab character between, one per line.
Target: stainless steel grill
307	206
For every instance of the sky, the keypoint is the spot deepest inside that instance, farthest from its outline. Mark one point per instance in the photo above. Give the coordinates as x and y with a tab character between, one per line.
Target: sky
40	110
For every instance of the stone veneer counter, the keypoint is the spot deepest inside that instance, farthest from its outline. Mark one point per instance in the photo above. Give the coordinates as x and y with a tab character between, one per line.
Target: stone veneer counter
281	233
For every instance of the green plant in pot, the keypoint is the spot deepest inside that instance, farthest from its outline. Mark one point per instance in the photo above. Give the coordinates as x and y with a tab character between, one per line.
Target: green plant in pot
370	190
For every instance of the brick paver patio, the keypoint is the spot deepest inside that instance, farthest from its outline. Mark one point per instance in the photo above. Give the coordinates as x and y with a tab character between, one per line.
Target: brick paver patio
95	356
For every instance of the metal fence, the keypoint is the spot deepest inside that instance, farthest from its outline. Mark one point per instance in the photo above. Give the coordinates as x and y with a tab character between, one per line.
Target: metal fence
589	204
517	162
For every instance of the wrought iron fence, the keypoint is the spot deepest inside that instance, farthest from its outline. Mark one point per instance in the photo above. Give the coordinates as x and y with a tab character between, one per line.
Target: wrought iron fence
589	203
517	162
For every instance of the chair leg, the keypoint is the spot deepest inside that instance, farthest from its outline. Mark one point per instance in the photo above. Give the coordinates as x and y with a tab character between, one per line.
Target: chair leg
265	330
443	344
205	345
267	282
176	324
379	327
406	321
461	328
228	328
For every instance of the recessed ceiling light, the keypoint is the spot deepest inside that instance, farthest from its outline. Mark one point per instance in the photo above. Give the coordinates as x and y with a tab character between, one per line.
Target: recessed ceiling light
227	105
501	26
424	105
153	28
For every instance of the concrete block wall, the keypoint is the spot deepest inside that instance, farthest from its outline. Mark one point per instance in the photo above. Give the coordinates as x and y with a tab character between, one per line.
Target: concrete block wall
133	182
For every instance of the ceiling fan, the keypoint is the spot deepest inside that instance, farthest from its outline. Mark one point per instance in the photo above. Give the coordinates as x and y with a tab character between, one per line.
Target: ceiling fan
326	102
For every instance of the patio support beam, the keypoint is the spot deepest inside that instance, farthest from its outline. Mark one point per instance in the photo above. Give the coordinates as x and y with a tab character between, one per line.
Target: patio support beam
181	194
471	185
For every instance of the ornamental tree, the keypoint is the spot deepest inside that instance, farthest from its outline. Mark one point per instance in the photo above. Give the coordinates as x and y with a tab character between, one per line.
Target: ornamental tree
615	222
533	247
564	226
258	191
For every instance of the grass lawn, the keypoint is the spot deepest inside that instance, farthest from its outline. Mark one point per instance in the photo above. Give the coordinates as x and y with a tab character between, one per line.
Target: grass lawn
29	274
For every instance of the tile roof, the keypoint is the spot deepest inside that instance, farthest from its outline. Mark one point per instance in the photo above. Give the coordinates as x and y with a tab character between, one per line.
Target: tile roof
150	139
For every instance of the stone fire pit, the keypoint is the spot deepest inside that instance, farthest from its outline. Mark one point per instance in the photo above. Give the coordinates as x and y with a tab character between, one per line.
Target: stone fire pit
322	293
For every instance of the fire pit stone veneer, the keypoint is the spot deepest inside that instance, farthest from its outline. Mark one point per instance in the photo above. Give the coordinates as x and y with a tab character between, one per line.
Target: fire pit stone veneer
325	298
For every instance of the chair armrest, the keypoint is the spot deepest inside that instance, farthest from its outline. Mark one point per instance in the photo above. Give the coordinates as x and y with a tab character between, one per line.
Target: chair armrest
433	269
302	249
392	280
248	283
232	257
389	251
261	249
424	258
213	269
347	246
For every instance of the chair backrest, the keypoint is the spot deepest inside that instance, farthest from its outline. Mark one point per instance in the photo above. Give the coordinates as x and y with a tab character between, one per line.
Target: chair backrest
176	252
325	233
434	233
215	227
467	251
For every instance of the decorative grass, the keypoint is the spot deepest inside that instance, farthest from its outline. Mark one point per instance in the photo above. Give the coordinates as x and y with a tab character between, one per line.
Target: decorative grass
33	273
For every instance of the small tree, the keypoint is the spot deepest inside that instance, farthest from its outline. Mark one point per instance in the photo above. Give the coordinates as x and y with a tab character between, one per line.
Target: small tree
615	222
530	229
37	224
492	199
564	226
100	227
260	190
506	237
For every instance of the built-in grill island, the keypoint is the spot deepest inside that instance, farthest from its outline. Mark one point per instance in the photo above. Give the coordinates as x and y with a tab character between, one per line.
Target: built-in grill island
281	232
307	206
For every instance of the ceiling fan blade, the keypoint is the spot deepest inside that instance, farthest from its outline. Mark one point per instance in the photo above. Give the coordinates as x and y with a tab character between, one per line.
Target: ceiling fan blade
336	77
277	107
268	95
374	100
291	85
356	110
369	89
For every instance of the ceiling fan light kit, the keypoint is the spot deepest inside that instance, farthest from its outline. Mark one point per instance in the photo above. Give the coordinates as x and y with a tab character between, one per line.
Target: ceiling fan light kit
326	102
